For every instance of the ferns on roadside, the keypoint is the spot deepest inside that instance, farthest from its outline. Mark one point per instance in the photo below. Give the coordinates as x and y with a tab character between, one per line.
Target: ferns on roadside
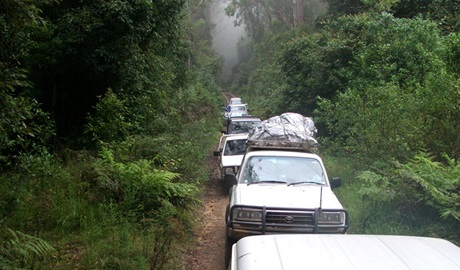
439	183
19	250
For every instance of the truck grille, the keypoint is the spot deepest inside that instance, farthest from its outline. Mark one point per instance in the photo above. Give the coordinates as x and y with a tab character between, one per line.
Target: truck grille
287	220
293	218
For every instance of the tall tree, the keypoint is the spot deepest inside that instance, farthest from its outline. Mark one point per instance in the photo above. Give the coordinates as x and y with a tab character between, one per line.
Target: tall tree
298	12
267	16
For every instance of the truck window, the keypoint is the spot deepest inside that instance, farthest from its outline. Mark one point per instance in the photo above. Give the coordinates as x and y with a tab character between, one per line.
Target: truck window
235	147
237	127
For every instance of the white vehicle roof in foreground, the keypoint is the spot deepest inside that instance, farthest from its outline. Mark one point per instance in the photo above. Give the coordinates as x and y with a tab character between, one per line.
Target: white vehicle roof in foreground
337	251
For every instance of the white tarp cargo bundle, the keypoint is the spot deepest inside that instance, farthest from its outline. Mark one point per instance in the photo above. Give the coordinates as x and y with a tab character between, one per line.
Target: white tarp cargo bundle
286	131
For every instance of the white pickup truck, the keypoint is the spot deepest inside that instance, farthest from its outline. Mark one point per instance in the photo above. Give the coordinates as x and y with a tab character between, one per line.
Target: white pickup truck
281	187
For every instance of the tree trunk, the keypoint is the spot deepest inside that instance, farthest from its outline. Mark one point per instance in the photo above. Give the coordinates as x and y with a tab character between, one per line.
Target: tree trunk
298	12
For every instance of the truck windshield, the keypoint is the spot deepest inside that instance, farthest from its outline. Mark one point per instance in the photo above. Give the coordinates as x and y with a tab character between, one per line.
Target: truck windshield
238	127
286	169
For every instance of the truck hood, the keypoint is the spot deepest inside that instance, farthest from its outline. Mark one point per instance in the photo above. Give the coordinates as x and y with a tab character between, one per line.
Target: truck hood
279	195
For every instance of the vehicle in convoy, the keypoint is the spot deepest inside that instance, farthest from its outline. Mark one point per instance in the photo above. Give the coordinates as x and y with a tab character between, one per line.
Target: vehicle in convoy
349	251
235	100
237	107
282	186
234	110
230	152
241	124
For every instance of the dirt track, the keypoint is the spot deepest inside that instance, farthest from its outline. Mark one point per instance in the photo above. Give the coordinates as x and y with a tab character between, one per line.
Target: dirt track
228	96
207	252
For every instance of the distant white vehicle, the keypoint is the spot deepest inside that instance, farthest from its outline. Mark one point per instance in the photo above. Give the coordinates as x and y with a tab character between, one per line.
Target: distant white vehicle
235	100
343	252
236	107
234	110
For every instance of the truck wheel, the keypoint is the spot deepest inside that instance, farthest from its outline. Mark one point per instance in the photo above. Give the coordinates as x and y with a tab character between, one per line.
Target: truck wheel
226	188
228	249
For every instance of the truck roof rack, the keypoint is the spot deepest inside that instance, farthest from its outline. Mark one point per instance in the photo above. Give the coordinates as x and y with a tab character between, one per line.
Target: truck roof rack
288	131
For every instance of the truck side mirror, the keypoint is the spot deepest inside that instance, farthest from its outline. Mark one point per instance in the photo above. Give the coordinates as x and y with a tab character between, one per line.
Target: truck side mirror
216	153
336	182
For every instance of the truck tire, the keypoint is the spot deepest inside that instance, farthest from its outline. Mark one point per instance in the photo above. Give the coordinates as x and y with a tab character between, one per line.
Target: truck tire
228	249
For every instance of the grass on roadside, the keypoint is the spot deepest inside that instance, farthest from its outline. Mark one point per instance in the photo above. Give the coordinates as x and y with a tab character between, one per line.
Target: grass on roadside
379	209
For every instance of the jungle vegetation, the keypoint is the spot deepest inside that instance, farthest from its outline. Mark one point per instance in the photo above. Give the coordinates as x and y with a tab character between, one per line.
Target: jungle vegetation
109	110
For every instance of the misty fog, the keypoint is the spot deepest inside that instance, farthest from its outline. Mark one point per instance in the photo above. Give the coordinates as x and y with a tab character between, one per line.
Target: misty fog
225	36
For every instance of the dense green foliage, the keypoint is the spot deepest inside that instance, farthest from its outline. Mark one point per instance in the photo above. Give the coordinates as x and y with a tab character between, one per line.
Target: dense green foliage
386	99
380	79
24	127
109	110
132	47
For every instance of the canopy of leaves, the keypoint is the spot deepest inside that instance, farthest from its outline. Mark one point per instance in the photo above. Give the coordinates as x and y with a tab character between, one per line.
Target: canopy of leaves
376	77
89	46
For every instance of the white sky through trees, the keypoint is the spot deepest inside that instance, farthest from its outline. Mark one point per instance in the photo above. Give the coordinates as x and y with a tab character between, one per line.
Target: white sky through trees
225	36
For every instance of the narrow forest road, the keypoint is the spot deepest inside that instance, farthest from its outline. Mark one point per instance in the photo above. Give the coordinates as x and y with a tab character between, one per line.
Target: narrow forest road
207	251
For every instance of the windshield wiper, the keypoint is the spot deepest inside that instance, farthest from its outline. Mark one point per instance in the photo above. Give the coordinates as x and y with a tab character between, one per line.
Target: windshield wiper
306	182
268	181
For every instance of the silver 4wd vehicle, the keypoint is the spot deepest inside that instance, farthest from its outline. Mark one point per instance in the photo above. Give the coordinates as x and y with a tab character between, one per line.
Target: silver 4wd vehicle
282	187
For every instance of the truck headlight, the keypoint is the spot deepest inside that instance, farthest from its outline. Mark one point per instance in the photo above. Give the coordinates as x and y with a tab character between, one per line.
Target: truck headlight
247	214
331	218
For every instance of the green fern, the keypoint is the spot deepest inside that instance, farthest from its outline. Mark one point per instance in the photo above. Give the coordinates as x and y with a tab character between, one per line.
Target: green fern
18	250
440	183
